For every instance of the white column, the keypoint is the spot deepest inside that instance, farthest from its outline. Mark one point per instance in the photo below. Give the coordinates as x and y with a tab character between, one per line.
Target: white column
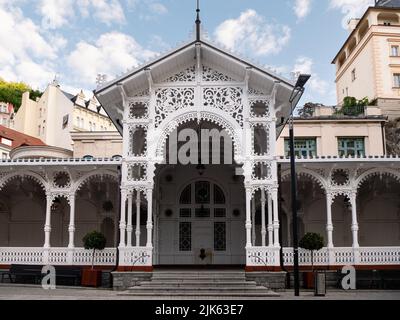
47	225
329	223
253	219
138	218
354	226
263	227
270	225
129	227
149	225
122	224
71	228
276	217
248	217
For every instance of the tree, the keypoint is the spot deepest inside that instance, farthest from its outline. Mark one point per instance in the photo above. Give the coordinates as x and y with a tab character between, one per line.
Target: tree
312	242
308	109
94	241
11	92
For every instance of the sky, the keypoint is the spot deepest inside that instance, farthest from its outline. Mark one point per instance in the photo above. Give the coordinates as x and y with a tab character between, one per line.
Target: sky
75	40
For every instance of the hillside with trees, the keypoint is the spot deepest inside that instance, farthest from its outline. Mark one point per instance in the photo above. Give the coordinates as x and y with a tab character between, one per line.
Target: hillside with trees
11	92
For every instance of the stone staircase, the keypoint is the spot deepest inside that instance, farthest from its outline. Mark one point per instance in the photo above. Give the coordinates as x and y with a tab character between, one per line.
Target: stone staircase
184	283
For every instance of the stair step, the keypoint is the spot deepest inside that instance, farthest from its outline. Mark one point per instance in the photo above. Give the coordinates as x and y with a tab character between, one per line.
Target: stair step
198	282
196	285
221	289
189	294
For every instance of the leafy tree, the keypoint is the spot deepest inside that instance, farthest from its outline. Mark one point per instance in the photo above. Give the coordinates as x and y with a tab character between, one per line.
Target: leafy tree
11	92
313	242
308	109
94	241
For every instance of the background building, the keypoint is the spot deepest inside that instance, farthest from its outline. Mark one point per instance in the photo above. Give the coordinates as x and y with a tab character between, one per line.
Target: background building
368	64
6	114
56	114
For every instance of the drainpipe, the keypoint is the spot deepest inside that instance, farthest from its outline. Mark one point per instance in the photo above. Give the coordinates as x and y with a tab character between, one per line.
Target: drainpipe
118	232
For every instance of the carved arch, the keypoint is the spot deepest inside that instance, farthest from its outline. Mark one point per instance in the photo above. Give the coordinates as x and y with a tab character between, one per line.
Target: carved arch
27	175
94	174
231	127
316	177
376	172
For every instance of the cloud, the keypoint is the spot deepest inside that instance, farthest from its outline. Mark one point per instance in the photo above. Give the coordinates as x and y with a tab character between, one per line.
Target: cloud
302	8
252	33
58	13
305	65
351	8
112	53
147	9
25	52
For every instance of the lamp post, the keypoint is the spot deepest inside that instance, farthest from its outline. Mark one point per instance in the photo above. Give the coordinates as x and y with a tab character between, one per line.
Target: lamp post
295	97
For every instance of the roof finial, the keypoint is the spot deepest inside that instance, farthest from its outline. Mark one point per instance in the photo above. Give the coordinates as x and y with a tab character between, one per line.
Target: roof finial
198	22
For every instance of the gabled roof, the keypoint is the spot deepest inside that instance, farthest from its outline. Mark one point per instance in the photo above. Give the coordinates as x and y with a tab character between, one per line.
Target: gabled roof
136	81
19	139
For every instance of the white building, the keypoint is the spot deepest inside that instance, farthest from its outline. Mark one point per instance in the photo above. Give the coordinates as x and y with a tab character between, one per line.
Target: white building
56	114
184	214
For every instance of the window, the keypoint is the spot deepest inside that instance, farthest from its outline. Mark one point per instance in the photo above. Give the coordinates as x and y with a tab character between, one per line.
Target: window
39	130
185	236
351	147
219	236
302	147
353	75
65	121
396	80
395	51
4	156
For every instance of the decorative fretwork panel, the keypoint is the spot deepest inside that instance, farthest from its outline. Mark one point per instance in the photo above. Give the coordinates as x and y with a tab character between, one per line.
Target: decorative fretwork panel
262	171
169	100
138	110
340	177
185	236
227	99
137	172
260	108
187	75
255	92
219	236
138	141
210	74
261	141
61	180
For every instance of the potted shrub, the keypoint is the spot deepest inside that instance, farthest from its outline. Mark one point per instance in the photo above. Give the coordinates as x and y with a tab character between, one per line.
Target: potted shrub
93	241
312	242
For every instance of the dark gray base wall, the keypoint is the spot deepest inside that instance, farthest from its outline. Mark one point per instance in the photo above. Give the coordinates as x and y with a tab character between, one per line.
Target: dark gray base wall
126	280
270	280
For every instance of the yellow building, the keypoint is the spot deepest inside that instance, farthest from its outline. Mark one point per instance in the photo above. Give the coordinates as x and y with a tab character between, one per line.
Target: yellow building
56	114
368	64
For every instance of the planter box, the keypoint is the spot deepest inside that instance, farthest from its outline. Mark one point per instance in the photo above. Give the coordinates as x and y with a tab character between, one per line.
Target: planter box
309	280
91	278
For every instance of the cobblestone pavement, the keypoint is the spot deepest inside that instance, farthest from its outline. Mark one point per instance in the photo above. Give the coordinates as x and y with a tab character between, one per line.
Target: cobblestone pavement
23	292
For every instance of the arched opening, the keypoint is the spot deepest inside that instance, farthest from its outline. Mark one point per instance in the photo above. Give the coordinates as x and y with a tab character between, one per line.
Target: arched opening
379	211
363	29
200	197
352	44
97	208
311	208
60	211
388	19
22	213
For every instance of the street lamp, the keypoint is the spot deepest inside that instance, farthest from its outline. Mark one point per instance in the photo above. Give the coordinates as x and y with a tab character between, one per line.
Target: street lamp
295	97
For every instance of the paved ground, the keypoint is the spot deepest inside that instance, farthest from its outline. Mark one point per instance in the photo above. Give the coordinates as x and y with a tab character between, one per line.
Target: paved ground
26	292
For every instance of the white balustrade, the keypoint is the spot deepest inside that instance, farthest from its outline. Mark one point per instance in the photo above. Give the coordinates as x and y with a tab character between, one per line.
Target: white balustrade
261	256
380	256
136	257
343	256
56	256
